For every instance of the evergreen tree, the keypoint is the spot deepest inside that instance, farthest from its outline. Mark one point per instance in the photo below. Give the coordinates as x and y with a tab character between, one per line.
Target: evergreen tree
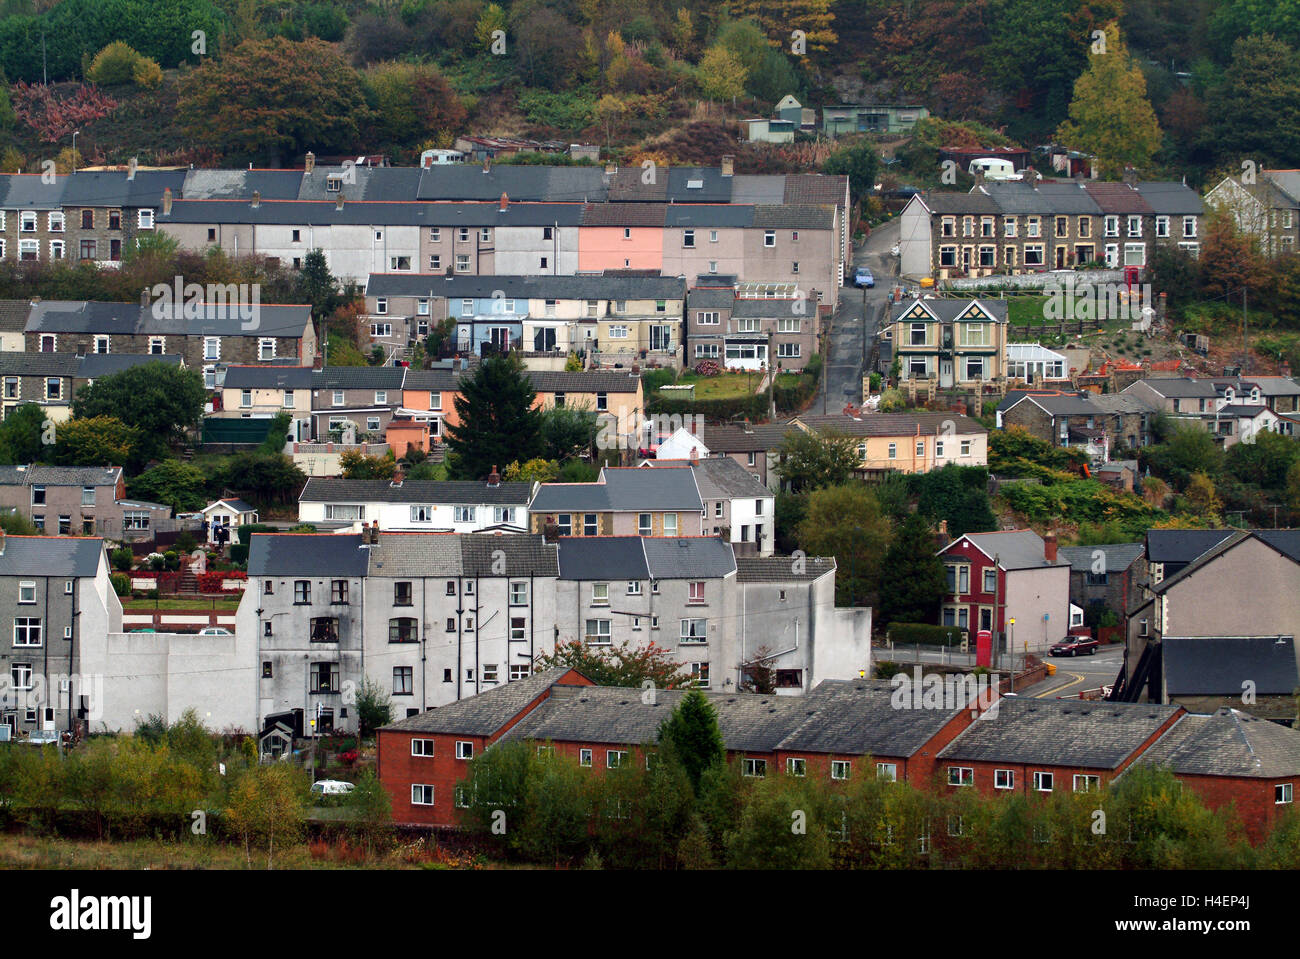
498	424
1110	115
913	582
692	733
317	285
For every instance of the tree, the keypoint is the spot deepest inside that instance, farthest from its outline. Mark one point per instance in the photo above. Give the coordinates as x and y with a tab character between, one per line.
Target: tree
1266	461
182	486
374	707
534	471
98	441
860	163
913	582
1186	450
759	674
1230	259
21	435
490	21
414	102
266	808
158	400
772	835
1174	272
567	430
317	285
1254	110
691	732
958	494
269	97
778	17
622	665
1293	487
357	465
721	75
811	461
1110	115
497	423
846	522
1202	496
371	807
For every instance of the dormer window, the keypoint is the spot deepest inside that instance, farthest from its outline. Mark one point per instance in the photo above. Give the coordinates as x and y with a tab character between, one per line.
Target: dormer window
333	184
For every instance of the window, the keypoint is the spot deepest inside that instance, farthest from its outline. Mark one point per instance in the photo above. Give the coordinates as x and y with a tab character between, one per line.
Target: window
634	587
324	677
1162	226
564	523
584	757
1282	793
841	768
301	591
27	631
670	524
1043	782
462	262
1004	779
27	221
1034	254
688	239
600	594
464	750
422	747
699	671
53	388
965	447
57	249
707	317
145	219
339	591
694	631
1135	226
1189	224
598	632
403	629
1031	227
1112	226
520	671
602	402
135	519
769	238
465	514
990	580
421	795
615	758
893	451
755	768
21	675
518	628
27	592
746	325
920	447
399	264
794	266
1085	227
403	681
918	334
961	776
695	592
11	387
1085	784
325	629
643	525
503	514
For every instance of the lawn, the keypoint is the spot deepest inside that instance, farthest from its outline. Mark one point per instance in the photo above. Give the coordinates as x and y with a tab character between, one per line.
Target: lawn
148	605
722	386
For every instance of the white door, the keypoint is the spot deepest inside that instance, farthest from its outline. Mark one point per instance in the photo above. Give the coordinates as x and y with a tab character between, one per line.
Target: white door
945	372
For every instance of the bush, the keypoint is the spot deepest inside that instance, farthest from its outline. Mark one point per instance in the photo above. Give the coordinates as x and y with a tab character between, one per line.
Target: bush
238	553
123	558
718	410
115	64
245	533
121	584
912	634
147	74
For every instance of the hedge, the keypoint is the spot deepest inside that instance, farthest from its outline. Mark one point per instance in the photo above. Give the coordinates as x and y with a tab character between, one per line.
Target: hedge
912	634
716	411
792	399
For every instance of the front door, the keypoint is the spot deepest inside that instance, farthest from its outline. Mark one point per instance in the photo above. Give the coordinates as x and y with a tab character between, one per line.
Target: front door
945	372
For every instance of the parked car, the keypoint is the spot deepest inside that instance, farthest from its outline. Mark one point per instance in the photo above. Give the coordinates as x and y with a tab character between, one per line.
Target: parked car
42	737
1075	646
332	787
215	631
863	277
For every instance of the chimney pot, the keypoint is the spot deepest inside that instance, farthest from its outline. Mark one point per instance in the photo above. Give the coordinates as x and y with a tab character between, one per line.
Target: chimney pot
1049	547
144	296
309	162
257	199
487	164
611	169
494	478
728	165
167	202
338	201
505	202
130	169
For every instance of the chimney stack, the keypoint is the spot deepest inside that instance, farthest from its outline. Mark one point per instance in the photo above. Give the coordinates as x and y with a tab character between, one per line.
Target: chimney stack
494	478
130	169
309	163
487	164
144	297
695	454
257	199
397	478
1130	175
167	202
338	201
372	533
1049	548
505	203
611	169
728	165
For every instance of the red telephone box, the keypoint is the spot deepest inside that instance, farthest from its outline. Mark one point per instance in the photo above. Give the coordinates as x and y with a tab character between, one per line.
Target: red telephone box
984	648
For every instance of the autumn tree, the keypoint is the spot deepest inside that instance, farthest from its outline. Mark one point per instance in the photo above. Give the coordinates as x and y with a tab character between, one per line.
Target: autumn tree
266	98
622	665
780	18
97	441
721	75
1202	496
1230	260
266	809
413	102
846	522
1110	115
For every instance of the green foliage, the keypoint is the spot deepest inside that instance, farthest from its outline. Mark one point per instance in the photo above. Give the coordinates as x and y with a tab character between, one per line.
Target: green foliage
374	707
566	431
846	522
1264	462
1014	450
371	809
182	486
357	465
1080	501
160	401
123	558
958	494
691	733
21	433
1186	450
535	470
118	64
121	584
924	634
413	102
498	424
17	524
913	581
97	441
812	461
860	163
561	110
267	809
620	665
783	826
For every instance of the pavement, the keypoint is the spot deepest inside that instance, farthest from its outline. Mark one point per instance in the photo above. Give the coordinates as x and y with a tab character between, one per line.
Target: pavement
1073	673
857	318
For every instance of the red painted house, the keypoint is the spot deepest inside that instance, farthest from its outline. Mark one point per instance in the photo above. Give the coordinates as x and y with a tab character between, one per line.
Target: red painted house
994	578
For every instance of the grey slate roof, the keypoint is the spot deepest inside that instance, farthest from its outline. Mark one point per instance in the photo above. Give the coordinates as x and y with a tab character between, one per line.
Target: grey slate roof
1182	545
417	555
111	188
781	569
721	476
1064	404
95	365
1040	732
949	202
610	286
524	555
268	377
758	438
689	557
484	714
1117	557
950	308
1170	198
307	554
29	191
367	213
359	378
63	316
1123	403
1218	666
60	475
858	717
622	490
432	379
1015	549
791	217
893	424
1228	743
1043	198
1182	387
51	556
593	381
13	315
602	558
1285	541
38	364
458	492
241	184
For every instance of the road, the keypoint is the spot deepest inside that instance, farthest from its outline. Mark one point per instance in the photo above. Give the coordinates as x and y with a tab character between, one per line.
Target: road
1073	674
855	321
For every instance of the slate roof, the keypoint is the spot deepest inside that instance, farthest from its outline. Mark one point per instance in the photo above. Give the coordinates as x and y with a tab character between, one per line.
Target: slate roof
358	378
1042	198
623	215
1244	410
111	188
893	424
432	379
77	556
14	363
1015	549
484	714
792	217
858	717
688	557
462	492
293	212
1182	545
1114	197
524	555
518	181
814	188
1227	743
417	555
780	569
950	308
949	202
608	286
719	215
602	558
307	554
1123	403
1285	541
234	503
268	377
1168	198
13	315
1218	666
1088	735
1118	556
1063	404
622	490
775	188
60	475
595	381
369	183
95	365
1181	387
29	191
711	186
735	439
241	184
64	316
720	477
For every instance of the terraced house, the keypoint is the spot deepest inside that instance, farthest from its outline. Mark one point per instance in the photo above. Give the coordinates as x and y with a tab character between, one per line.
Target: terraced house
749	325
80	501
417	505
1036	225
905	442
956	341
624	501
52	380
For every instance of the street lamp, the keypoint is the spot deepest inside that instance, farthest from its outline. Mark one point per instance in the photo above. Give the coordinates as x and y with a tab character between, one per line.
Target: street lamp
1011	650
74	150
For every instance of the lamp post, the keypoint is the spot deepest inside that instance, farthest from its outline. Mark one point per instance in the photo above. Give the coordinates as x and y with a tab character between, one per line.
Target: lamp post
1011	651
74	150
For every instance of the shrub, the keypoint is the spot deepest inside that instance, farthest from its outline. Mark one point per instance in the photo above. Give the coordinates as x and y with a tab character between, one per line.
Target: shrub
115	64
147	74
708	368
911	634
123	558
121	584
238	553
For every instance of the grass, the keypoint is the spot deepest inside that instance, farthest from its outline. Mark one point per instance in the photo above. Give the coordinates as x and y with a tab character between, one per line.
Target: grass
722	386
132	604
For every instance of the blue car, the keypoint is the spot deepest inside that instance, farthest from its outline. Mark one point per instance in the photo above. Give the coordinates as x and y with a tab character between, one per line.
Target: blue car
864	278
